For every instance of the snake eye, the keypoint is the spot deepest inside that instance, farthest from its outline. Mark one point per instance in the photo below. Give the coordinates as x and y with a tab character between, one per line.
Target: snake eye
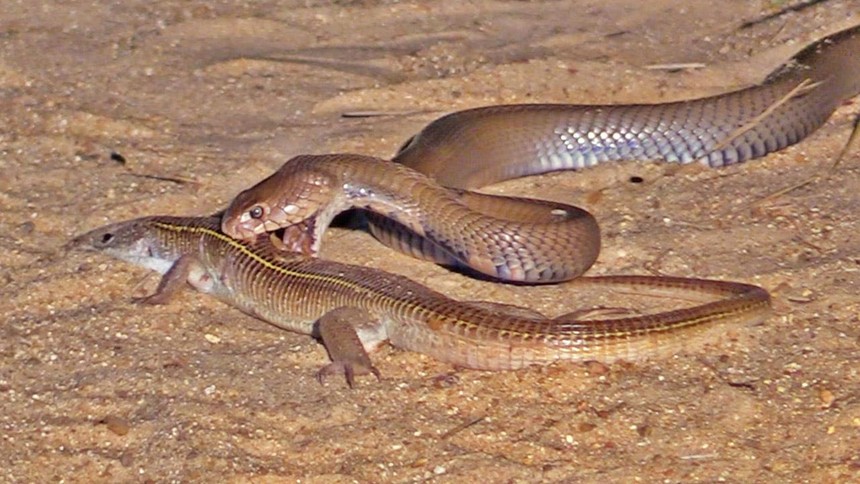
256	212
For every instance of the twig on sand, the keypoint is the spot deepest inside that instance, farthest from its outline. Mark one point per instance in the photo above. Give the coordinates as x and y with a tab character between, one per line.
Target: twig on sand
797	7
852	140
679	66
462	426
377	114
172	179
804	87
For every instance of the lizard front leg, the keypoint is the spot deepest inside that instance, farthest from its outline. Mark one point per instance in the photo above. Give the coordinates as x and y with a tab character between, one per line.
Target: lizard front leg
185	269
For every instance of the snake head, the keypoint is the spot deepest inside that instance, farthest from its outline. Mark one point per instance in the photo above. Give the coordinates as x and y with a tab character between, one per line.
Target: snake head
249	216
289	197
244	220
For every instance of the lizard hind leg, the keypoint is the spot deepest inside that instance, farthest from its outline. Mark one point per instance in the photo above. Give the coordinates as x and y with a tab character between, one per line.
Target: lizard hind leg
347	332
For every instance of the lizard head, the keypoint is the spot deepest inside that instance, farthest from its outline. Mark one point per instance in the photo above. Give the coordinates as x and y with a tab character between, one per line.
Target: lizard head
131	241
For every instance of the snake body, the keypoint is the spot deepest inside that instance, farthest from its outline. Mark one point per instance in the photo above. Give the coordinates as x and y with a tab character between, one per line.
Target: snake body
508	238
428	213
477	147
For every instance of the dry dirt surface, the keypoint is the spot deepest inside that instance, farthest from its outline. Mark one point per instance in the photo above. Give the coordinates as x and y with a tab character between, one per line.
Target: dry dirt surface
113	110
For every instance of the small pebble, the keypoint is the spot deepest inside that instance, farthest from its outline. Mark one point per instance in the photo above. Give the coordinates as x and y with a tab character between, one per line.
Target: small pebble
26	228
826	397
596	368
114	156
117	425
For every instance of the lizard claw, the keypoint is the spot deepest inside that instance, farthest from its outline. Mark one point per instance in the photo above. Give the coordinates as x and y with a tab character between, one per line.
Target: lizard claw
348	369
152	299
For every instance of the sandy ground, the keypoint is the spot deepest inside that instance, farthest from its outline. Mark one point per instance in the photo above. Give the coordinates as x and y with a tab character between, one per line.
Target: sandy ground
212	96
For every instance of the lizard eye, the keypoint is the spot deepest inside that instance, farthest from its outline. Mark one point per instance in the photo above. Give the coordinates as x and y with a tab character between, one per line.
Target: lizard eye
256	212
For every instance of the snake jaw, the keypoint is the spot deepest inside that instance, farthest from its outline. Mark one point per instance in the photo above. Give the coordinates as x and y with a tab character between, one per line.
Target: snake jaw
247	229
264	226
302	237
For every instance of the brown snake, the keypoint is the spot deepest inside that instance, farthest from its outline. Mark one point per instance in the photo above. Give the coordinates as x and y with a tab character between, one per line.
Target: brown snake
529	240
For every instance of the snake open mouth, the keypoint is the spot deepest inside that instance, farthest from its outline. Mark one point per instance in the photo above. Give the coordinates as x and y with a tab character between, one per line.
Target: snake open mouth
299	237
